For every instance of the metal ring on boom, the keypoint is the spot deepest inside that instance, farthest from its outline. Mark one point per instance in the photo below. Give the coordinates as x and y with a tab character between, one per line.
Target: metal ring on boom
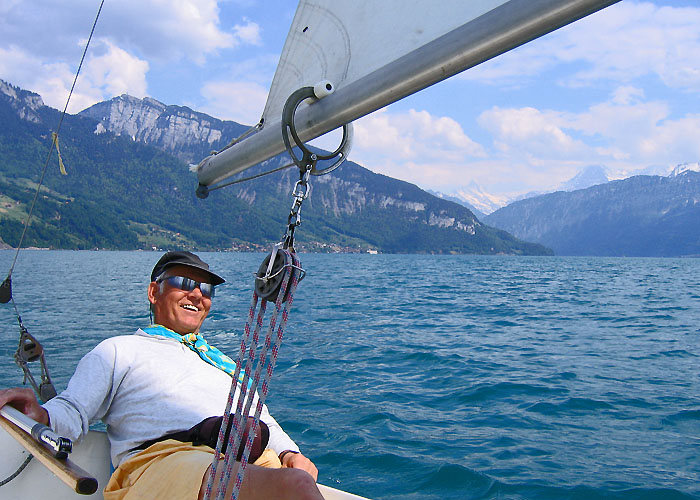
309	159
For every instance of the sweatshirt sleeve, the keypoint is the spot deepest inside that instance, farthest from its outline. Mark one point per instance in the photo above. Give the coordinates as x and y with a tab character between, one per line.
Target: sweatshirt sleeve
279	440
87	397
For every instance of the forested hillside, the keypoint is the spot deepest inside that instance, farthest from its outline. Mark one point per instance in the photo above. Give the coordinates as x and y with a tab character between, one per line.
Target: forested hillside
122	194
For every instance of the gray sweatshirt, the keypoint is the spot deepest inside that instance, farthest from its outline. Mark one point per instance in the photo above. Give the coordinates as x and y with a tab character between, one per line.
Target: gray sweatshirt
142	387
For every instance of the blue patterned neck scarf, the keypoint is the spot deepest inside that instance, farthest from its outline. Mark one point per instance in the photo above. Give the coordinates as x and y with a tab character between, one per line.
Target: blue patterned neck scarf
196	343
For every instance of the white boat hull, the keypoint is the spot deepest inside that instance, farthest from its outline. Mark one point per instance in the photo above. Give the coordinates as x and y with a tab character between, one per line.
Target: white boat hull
92	454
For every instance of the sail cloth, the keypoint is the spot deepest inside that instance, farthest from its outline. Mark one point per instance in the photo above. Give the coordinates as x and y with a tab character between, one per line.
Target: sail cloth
376	52
344	41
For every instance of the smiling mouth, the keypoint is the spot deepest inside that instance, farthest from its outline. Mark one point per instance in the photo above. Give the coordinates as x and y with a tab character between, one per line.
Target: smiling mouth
189	307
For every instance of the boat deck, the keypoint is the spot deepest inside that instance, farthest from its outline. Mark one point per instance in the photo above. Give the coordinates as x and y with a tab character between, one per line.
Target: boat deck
92	454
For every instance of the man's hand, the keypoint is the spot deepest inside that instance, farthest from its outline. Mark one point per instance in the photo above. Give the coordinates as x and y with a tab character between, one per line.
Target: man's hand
299	461
24	400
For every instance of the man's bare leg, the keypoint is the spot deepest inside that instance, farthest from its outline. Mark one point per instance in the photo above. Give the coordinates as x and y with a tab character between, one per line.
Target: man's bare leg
263	484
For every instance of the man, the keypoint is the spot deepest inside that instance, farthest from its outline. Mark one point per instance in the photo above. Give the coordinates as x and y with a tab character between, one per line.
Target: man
161	380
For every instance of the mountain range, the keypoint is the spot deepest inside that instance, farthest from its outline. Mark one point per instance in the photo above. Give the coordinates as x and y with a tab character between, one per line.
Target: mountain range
128	187
655	214
483	203
644	215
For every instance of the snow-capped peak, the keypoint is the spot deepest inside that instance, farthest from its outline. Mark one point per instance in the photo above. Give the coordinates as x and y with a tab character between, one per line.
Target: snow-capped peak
685	167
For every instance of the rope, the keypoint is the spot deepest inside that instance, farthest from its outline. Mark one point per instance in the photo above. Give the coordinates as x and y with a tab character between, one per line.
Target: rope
247	394
244	386
17	472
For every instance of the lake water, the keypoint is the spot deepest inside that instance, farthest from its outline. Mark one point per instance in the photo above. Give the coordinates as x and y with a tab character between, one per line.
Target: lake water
437	377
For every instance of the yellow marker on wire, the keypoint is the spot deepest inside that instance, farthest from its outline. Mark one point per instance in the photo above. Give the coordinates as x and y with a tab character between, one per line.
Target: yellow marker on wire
54	136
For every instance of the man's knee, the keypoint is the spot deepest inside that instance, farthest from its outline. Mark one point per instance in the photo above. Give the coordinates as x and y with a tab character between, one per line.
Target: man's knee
262	483
301	483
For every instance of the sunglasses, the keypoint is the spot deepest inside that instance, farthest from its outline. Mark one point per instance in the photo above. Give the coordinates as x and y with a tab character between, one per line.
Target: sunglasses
188	285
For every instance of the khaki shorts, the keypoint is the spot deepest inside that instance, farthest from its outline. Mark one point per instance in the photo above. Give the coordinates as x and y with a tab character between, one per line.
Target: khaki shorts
168	470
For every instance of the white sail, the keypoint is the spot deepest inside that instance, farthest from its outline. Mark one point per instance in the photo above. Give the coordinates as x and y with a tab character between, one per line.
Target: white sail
376	52
343	41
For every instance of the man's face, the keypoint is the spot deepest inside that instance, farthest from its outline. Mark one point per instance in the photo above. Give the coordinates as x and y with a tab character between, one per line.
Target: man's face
181	311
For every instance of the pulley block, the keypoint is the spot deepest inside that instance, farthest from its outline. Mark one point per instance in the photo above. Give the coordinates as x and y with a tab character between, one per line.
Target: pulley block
268	279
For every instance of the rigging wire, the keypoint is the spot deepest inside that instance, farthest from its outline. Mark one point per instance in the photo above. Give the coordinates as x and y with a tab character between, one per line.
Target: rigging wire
54	143
309	159
30	348
245	179
255	128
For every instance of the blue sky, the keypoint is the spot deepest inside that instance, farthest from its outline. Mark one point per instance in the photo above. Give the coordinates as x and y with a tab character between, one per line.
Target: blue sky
619	89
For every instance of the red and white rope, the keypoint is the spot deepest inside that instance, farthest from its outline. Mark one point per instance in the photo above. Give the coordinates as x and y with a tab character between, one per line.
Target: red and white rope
246	394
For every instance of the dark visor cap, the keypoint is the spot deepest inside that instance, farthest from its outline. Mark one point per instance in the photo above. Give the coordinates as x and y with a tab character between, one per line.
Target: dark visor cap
182	258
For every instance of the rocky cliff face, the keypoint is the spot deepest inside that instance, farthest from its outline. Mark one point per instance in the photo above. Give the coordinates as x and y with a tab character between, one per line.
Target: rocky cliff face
181	131
27	104
639	216
176	129
353	191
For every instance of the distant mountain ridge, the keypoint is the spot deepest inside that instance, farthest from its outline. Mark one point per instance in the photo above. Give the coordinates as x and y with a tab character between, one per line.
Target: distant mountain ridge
639	216
473	196
685	167
477	199
592	175
478	213
126	190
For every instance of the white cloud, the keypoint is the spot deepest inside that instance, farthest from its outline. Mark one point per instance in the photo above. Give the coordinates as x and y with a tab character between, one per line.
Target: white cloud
406	135
529	149
644	130
627	94
512	69
111	71
538	133
379	134
167	30
239	101
16	64
114	72
622	120
621	43
624	133
413	146
51	81
248	32
673	141
41	43
631	40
